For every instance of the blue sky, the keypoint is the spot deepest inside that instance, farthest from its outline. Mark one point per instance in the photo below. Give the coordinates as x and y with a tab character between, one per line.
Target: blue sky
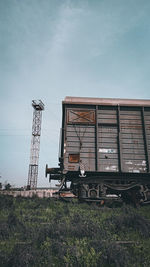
53	48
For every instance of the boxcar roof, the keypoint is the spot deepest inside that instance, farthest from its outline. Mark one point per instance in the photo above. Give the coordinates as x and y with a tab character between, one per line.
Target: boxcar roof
106	101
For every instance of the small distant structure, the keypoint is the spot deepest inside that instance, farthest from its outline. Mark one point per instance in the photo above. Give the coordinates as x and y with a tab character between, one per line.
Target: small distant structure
38	107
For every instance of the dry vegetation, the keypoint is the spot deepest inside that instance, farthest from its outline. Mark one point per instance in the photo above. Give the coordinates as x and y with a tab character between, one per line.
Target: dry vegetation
46	232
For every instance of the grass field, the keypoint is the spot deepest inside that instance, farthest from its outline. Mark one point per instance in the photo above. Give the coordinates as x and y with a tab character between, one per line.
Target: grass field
48	232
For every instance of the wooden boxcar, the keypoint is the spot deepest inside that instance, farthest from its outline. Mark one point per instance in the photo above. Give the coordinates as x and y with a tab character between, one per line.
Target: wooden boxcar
105	148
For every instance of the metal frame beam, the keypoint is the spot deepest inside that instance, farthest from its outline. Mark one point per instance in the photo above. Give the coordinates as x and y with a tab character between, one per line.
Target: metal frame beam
96	140
145	141
119	141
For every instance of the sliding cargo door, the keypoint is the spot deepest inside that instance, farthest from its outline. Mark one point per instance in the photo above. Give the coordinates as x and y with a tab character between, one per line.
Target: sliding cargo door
107	139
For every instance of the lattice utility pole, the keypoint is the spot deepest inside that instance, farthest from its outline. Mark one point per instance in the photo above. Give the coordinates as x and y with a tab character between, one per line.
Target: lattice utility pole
38	106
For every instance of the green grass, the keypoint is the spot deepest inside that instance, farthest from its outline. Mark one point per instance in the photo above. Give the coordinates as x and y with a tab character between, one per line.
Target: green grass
46	232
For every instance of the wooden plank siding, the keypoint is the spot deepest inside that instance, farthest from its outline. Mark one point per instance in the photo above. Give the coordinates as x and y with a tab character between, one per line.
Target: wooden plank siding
107	138
132	140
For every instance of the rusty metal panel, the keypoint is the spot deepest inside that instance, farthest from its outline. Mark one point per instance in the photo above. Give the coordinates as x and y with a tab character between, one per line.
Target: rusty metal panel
104	120
80	138
147	126
87	155
129	117
130	127
130	135
82	154
89	139
82	128
106	167
80	116
108	135
132	140
74	158
133	146
130	112
107	139
89	164
76	144
78	133
147	113
83	149
132	130
130	122
108	129
132	151
137	166
107	111
74	134
107	115
133	156
108	148
108	155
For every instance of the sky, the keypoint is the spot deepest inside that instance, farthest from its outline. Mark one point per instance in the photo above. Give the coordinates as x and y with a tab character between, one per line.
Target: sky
50	49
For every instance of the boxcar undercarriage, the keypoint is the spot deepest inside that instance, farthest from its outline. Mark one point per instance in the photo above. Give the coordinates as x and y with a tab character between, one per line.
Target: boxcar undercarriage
100	187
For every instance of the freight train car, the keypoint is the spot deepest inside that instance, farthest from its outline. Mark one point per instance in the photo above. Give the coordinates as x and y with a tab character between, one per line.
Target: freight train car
105	148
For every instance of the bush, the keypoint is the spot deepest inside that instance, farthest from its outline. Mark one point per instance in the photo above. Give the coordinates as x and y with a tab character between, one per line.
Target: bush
23	255
115	255
4	231
46	232
132	221
6	202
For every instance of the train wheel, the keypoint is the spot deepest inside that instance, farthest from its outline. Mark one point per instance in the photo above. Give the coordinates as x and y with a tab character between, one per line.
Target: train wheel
131	197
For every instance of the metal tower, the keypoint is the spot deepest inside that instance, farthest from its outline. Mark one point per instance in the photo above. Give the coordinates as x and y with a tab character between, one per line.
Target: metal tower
38	106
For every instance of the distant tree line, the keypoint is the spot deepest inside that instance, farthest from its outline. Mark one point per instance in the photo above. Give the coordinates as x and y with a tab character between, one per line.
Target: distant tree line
7	186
